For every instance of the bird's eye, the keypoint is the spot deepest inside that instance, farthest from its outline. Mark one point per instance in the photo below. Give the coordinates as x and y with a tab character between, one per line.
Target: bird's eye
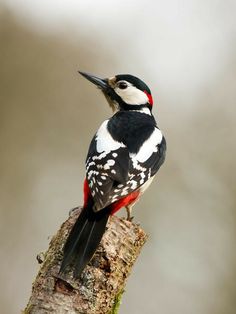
122	85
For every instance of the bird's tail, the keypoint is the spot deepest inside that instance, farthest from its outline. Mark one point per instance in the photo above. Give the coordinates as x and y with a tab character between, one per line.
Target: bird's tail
84	239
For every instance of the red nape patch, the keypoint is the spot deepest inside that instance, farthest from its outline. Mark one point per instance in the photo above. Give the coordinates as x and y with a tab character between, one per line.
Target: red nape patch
124	202
150	100
86	192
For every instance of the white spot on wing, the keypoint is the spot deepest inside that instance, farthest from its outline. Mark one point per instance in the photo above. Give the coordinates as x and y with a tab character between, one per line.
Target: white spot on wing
142	175
109	163
92	163
136	165
133	184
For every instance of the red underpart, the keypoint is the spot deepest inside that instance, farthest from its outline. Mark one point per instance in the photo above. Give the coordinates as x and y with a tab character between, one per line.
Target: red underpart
150	100
87	193
129	199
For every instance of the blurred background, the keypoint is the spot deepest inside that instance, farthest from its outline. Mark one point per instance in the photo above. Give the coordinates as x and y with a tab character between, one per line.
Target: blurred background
185	51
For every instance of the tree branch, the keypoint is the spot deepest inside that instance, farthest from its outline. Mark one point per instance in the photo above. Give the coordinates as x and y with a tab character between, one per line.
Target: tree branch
100	287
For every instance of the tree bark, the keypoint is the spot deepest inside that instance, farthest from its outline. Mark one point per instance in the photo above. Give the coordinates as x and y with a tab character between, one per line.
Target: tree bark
101	284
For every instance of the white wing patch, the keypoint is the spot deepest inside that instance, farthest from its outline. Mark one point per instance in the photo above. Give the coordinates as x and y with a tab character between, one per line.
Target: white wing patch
105	142
149	147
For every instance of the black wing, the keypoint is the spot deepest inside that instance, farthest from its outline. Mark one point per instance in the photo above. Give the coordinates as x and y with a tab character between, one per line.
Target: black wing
115	173
105	170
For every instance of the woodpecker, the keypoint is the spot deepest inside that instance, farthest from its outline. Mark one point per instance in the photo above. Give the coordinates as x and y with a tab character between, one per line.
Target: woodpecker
123	158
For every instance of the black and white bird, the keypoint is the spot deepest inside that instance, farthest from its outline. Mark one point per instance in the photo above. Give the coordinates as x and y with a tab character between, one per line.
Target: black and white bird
123	158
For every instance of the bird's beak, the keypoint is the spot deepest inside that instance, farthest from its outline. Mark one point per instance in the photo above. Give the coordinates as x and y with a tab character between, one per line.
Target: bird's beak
104	85
101	83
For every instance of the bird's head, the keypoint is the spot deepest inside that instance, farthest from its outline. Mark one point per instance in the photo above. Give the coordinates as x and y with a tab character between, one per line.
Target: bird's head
123	91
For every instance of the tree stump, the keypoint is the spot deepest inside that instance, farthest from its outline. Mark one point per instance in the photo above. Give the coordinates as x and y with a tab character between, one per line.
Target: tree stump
101	284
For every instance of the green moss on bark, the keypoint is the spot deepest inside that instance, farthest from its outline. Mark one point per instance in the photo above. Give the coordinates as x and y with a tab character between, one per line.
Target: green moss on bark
117	302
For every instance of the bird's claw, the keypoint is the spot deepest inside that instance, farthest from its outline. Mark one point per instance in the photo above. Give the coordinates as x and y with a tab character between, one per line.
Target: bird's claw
129	218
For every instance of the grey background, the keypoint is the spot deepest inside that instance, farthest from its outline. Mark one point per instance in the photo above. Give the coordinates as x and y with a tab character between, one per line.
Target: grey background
185	52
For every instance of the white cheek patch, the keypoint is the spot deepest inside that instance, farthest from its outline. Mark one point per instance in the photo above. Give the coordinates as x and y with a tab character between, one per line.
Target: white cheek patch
132	95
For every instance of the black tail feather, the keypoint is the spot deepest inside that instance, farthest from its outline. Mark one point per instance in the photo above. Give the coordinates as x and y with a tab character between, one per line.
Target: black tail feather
83	239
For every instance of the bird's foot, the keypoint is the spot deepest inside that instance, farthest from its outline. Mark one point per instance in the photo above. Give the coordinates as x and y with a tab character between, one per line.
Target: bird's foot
129	211
129	218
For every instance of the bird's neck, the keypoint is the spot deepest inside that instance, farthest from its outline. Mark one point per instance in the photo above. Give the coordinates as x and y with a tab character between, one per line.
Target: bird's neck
131	128
146	108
